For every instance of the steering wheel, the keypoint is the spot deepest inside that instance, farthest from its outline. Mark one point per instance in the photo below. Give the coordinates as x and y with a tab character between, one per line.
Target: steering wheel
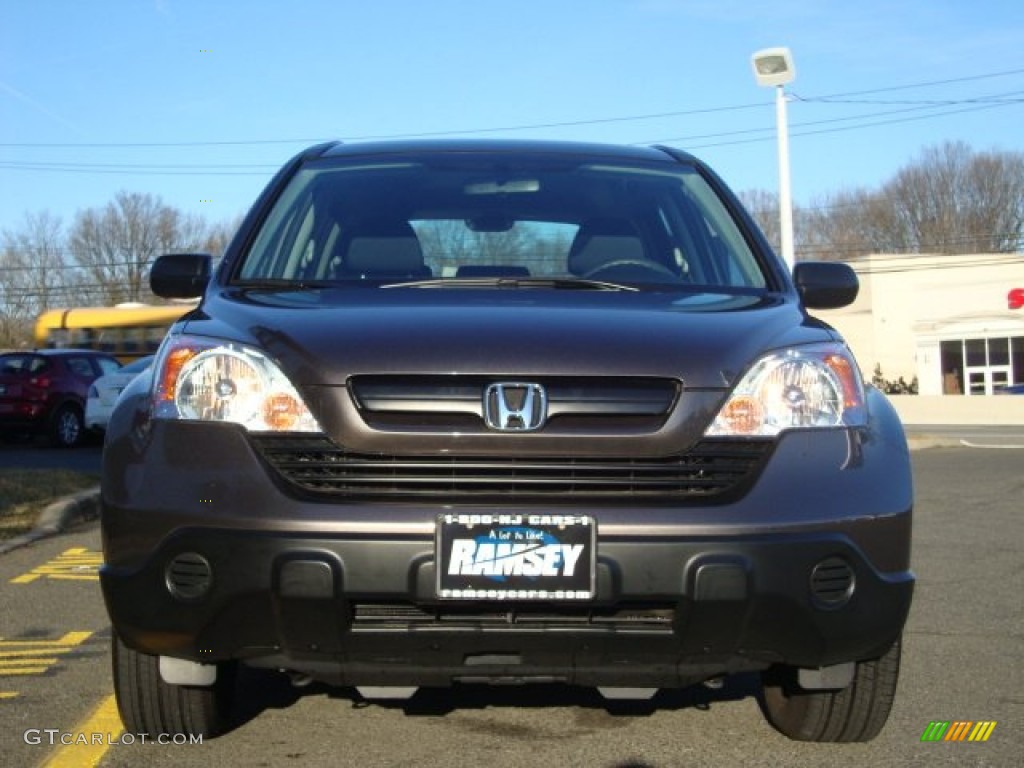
644	264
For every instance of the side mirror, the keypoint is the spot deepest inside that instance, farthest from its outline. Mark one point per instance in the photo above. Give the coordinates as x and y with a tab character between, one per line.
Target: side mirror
180	275
825	284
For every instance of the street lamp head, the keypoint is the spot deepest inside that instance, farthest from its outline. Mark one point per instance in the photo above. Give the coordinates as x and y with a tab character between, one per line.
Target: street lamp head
773	66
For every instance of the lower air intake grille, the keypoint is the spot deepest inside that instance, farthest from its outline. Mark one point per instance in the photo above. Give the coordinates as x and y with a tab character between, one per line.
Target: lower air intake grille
832	582
188	576
640	618
712	469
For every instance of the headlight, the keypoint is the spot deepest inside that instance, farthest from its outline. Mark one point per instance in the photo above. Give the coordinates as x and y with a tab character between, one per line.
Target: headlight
799	388
201	380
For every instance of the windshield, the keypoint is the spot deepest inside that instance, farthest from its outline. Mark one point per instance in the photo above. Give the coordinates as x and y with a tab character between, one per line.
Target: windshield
459	216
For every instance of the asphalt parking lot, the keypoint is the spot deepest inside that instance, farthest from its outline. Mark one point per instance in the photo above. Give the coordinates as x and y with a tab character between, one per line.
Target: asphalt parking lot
963	661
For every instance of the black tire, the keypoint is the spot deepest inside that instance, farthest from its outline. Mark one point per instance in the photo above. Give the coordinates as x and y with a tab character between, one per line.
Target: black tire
855	713
66	426
149	705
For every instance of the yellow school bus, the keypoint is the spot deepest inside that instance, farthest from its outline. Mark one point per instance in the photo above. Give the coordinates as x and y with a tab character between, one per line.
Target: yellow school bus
126	331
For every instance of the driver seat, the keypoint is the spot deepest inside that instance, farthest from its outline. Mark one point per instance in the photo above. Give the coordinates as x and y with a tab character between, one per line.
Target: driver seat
601	242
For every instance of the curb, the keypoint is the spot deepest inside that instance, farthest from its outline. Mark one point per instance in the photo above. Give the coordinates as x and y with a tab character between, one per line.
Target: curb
920	442
59	516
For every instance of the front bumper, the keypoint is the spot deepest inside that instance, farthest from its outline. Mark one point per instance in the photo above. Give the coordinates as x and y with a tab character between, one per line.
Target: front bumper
363	612
209	559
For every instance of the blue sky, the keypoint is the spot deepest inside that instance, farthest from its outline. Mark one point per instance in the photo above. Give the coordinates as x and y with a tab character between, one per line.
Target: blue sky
199	101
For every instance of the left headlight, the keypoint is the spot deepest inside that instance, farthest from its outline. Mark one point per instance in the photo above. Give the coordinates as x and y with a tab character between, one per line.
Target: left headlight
203	380
799	388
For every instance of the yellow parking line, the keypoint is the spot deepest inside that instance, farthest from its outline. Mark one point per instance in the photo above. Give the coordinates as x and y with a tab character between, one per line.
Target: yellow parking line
105	722
68	638
22	652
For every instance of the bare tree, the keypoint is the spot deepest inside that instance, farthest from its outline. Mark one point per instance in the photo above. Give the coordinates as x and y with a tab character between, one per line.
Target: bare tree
841	226
764	207
116	245
34	275
218	235
950	200
953	200
448	244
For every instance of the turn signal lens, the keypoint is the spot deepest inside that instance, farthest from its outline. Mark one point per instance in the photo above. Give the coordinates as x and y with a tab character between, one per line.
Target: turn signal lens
742	414
281	411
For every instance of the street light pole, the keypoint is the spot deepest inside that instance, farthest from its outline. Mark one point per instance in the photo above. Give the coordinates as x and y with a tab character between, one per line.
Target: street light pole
785	191
774	67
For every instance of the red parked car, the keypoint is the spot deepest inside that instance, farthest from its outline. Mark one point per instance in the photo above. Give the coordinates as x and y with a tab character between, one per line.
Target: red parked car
43	391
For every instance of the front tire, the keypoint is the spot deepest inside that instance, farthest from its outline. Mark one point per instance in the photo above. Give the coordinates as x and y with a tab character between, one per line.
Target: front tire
149	705
855	713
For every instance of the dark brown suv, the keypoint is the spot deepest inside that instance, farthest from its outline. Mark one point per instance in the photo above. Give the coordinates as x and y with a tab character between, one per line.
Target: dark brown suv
43	391
463	413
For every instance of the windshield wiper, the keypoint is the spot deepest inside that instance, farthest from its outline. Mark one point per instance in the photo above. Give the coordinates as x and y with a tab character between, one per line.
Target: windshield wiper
557	283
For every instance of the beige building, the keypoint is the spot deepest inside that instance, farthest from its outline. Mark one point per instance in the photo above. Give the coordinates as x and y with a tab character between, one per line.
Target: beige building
944	319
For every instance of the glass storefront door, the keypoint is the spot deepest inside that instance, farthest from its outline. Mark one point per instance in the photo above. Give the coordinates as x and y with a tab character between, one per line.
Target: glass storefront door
985	380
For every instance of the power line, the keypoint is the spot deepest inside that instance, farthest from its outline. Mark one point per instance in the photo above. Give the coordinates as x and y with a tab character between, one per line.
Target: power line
796	134
1004	98
501	129
949	81
237	169
71	168
809	123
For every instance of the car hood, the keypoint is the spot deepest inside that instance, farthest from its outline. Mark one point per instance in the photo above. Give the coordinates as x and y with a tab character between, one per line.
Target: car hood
324	337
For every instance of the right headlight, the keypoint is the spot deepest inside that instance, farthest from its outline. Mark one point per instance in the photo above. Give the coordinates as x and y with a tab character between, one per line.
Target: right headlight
799	388
203	380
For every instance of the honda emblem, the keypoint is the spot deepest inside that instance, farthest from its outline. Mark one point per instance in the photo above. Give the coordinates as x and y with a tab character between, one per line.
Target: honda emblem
515	406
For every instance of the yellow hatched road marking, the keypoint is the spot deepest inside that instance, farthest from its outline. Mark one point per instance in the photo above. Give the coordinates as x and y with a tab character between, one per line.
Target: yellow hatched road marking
104	721
64	566
35	657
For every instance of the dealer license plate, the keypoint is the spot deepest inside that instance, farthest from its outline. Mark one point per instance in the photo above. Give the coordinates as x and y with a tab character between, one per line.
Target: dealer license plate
515	557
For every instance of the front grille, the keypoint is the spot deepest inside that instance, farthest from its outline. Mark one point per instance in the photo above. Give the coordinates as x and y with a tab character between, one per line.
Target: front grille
711	470
456	403
401	616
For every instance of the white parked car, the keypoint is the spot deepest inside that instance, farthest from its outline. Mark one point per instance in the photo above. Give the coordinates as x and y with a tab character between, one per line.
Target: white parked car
104	391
